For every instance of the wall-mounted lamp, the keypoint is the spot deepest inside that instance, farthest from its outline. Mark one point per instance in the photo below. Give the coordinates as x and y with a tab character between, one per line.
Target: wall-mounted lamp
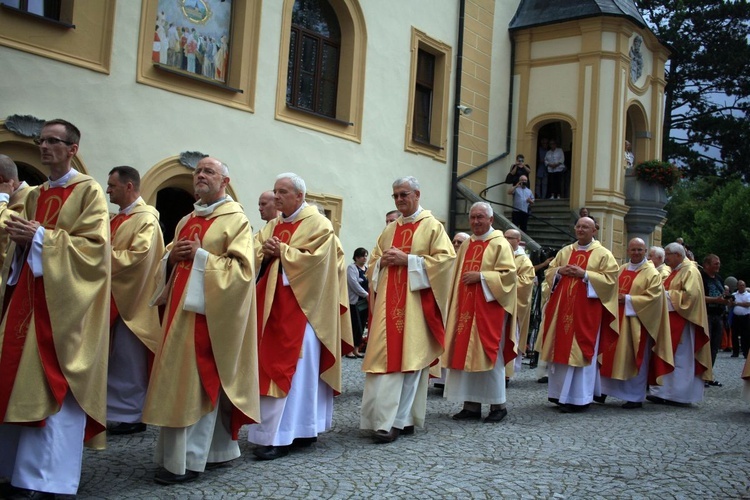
464	110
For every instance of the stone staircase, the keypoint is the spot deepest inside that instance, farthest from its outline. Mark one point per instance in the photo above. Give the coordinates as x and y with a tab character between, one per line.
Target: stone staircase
551	223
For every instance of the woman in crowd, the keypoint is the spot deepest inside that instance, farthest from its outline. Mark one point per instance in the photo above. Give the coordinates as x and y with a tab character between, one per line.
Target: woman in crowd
358	293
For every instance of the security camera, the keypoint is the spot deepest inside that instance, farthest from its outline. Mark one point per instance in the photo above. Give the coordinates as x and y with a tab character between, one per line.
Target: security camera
464	110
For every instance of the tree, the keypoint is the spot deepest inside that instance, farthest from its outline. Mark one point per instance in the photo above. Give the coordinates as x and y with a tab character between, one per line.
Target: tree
711	215
707	97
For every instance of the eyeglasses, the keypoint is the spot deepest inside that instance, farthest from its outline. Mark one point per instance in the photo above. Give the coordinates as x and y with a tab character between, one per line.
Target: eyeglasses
402	194
51	141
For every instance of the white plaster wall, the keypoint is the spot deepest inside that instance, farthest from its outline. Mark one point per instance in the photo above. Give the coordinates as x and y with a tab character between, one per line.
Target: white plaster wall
554	87
559	47
123	122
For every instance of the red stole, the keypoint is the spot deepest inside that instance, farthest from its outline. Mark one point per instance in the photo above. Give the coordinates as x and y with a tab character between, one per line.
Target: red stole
608	340
472	307
209	373
280	343
578	316
114	225
29	299
397	288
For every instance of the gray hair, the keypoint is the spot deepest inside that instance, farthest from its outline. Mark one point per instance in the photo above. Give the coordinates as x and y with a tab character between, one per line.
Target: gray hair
8	168
485	206
675	248
224	169
461	235
296	181
411	181
658	251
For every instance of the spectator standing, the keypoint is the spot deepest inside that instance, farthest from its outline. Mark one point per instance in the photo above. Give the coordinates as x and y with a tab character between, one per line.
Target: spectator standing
555	162
741	321
716	303
523	198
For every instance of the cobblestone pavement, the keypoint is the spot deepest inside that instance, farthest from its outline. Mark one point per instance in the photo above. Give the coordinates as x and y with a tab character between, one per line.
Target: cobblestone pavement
536	452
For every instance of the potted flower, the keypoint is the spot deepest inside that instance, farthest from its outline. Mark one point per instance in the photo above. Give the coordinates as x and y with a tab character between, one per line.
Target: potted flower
658	172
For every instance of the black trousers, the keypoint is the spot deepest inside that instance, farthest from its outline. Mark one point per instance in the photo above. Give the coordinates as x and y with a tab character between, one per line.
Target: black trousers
740	335
715	333
520	219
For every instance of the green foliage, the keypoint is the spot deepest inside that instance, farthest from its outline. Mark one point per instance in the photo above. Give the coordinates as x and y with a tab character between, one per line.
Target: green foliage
658	172
707	97
712	215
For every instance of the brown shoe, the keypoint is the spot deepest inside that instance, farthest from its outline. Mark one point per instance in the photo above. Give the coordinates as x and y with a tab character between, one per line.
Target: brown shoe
386	436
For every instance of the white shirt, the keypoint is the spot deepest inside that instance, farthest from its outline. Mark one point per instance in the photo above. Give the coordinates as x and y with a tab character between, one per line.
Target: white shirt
741	297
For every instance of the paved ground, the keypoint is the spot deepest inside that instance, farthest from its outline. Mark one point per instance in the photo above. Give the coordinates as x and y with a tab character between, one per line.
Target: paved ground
536	452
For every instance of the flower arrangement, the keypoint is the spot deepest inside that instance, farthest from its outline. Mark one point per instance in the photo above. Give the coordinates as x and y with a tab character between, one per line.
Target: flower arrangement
658	172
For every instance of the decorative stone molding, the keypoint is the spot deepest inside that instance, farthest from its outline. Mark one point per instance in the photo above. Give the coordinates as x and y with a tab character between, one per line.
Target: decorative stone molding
24	125
191	158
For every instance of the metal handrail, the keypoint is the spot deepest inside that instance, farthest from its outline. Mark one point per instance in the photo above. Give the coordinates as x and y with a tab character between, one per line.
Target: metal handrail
482	194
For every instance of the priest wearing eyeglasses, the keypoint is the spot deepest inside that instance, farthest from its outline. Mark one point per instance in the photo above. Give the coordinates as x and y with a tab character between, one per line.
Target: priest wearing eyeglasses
410	273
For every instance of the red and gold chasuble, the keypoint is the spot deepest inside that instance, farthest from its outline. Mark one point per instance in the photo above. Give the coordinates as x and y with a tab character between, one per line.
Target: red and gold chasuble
209	373
397	289
578	317
676	327
280	343
114	225
474	309
608	341
29	299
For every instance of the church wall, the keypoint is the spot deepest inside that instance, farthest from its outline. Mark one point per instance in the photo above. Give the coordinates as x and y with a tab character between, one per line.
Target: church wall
128	123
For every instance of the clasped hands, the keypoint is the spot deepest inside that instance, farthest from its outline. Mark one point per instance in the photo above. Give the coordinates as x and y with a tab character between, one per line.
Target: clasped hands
271	248
184	249
20	230
572	271
394	257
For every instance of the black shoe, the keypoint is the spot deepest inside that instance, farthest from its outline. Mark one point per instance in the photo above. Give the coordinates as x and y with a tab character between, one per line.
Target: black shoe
496	415
407	431
303	442
467	415
569	408
714	383
126	428
600	399
554	400
271	452
543	380
163	476
630	405
735	355
507	382
217	465
662	401
19	493
386	436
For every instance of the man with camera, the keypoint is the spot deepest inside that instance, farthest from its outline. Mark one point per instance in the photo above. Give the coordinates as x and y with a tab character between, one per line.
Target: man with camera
523	198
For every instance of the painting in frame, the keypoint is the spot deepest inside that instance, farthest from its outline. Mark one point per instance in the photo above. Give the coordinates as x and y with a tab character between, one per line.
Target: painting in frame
192	37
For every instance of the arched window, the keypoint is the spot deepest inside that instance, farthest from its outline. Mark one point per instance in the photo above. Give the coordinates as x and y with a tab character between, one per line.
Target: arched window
314	48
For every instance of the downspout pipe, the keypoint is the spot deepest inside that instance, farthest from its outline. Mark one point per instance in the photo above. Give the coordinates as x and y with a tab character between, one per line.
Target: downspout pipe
455	178
453	195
